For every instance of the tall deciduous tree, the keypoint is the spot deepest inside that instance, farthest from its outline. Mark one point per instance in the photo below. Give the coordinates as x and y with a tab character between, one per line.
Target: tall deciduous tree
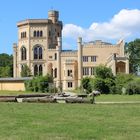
133	49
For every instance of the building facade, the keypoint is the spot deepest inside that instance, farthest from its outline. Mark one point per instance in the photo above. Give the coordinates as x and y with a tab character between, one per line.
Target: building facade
40	48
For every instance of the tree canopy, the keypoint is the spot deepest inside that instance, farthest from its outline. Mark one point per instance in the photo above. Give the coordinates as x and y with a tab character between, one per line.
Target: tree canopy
6	65
133	49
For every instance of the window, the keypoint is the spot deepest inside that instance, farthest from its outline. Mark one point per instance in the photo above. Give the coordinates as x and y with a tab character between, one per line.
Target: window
92	70
41	33
34	33
38	70
35	53
93	58
38	52
69	84
23	53
23	35
35	70
55	73
37	33
55	56
85	58
85	70
69	73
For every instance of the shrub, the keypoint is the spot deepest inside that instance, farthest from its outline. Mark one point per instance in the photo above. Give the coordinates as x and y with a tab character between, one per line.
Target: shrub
39	83
85	83
133	87
121	81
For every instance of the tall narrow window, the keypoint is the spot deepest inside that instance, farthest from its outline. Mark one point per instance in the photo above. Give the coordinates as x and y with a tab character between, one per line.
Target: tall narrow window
24	34
34	33
40	70
40	52
23	53
37	33
55	56
41	33
35	70
92	70
55	73
35	53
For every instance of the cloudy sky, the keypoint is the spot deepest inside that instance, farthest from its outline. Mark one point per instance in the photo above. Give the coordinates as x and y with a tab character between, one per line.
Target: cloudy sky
108	20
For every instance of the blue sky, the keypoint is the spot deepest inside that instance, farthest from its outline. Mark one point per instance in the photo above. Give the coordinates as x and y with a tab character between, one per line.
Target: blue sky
108	20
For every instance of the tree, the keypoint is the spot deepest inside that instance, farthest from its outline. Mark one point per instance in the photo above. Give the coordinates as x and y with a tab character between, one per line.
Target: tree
104	79
133	49
86	84
26	72
103	72
6	65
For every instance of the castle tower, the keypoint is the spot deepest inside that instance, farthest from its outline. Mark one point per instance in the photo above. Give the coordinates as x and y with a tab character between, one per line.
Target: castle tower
53	15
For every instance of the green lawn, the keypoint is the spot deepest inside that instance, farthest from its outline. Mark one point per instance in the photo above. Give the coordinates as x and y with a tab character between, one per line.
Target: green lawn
14	92
117	98
26	121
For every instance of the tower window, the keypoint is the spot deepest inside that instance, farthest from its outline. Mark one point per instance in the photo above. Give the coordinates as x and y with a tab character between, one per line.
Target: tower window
38	70
69	73
37	33
35	70
34	33
55	73
23	53
55	56
23	35
69	84
41	33
38	52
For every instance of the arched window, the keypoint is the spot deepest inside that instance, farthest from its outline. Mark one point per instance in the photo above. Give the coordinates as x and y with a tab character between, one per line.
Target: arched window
23	53
37	33
40	69
38	52
34	33
35	70
35	53
41	33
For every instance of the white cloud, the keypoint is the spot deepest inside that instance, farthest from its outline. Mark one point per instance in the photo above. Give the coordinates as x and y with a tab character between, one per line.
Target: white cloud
124	24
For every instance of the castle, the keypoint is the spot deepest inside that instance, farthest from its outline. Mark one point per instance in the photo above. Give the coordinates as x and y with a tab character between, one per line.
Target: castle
40	48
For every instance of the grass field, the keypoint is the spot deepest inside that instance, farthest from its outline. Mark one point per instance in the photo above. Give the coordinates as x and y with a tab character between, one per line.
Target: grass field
117	98
27	121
